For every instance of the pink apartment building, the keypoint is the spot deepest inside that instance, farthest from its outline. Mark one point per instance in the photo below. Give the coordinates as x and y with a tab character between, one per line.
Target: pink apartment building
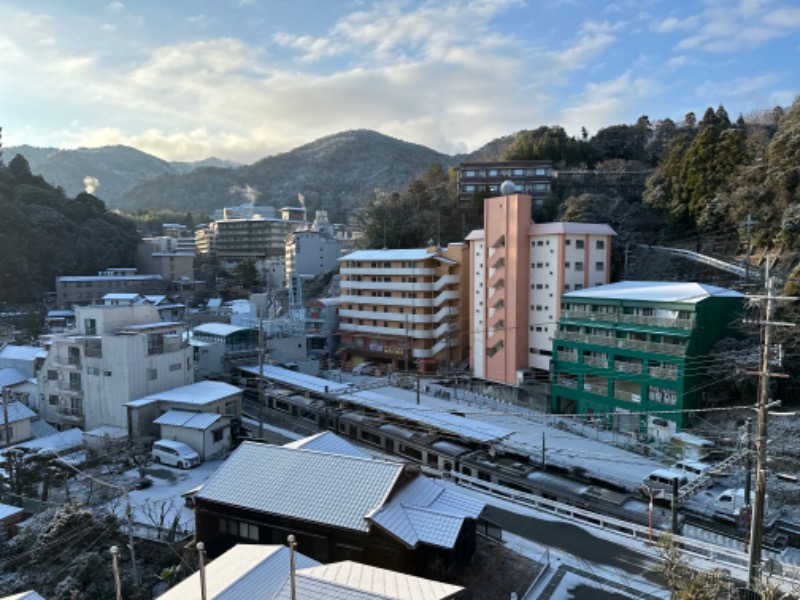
519	269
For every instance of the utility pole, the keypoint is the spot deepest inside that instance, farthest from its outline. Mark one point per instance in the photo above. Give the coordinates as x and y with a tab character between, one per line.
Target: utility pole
6	397
405	347
261	378
134	570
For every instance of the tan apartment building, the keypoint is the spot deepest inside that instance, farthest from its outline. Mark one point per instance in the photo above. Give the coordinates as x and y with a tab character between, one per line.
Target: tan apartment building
404	308
518	271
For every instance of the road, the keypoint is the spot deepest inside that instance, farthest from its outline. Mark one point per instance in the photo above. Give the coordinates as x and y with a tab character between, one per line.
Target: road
571	539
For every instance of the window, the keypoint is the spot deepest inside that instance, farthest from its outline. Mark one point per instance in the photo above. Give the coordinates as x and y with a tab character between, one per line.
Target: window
601	245
152	374
567	264
599	266
175	367
92	371
540	243
579	266
579	244
568	243
217	435
107	373
52	374
52	399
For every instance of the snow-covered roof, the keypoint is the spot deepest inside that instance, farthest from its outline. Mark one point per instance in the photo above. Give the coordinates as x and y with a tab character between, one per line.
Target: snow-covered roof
109	277
364	581
17	411
153	325
244	572
316	487
328	442
63	440
189	420
343	491
7	510
475	234
11	376
214	302
568	228
444	421
297	379
121	296
29	595
410	254
22	352
115	433
653	291
41	428
222	329
202	392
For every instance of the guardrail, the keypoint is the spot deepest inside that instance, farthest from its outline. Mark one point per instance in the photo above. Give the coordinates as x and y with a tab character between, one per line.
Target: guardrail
687	545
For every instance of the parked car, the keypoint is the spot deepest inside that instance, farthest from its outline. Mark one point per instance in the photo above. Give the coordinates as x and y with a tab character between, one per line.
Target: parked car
659	482
692	468
364	368
176	454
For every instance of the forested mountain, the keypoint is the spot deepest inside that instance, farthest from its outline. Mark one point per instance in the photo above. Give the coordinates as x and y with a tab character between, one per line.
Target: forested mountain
44	233
108	171
332	173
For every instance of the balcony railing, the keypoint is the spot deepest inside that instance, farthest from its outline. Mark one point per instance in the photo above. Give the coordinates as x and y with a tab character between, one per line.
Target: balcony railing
627	396
662	373
596	361
568	357
593	388
585	315
628	367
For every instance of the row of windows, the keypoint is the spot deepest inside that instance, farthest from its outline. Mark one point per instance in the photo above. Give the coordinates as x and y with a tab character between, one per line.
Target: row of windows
540	172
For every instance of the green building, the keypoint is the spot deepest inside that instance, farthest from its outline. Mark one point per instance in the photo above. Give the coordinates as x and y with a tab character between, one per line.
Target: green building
628	350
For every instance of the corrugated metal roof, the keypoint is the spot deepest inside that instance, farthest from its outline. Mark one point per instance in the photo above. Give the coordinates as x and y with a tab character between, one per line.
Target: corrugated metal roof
11	376
380	582
570	228
328	442
222	329
244	572
441	420
202	392
22	352
17	411
324	488
189	420
653	291
297	379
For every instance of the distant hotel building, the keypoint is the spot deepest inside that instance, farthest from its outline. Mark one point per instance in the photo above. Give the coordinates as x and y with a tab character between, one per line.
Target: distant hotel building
403	307
74	290
518	271
530	177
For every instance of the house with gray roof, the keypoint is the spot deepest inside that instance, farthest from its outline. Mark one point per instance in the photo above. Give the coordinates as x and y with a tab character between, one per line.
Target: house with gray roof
255	571
208	434
15	420
338	505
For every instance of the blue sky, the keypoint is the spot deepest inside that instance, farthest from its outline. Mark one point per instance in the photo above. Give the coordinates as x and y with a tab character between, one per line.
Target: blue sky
243	79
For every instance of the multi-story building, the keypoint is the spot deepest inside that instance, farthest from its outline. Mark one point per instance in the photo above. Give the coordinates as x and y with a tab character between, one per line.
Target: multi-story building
518	271
118	353
74	290
638	347
312	251
531	177
403	307
258	238
161	256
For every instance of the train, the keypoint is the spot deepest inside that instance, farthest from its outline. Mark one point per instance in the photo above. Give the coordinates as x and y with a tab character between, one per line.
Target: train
444	455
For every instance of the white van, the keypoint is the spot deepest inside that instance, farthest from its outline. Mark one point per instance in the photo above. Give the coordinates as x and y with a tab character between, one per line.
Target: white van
691	468
659	482
176	454
731	501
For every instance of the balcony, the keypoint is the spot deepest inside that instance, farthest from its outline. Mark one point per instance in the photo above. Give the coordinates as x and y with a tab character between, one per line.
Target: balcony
571	357
647	321
73	416
662	373
596	361
598	390
627	396
628	367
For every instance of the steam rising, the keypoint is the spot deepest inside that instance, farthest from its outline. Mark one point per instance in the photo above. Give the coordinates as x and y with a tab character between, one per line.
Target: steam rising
90	184
248	192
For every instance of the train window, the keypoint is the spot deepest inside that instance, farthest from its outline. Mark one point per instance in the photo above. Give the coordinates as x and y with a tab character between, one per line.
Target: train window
308	415
448	466
281	405
466	471
484	476
409	451
368	436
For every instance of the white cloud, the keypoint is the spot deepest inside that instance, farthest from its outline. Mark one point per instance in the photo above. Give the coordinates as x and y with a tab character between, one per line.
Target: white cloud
674	24
115	7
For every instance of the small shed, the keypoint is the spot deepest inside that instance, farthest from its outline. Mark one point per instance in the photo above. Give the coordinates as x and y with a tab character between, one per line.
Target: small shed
208	434
10	516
